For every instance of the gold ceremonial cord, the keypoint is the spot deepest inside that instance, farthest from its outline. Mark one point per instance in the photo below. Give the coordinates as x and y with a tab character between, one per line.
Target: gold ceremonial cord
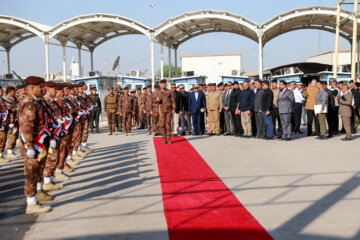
160	111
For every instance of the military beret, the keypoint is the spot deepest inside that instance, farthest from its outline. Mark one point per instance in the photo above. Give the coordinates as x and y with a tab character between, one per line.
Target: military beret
93	88
144	88
70	86
274	81
220	84
148	86
213	84
157	86
32	80
133	91
10	88
75	85
208	85
20	86
126	88
236	83
64	85
351	81
50	84
82	83
341	82
59	86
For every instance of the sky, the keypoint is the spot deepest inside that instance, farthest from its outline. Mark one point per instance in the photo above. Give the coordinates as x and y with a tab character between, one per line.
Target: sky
28	57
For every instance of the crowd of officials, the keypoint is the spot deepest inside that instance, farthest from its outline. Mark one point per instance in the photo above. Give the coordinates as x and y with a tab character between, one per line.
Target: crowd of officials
260	109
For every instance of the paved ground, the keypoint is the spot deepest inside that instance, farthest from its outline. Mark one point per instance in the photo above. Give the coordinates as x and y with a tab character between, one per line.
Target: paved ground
304	189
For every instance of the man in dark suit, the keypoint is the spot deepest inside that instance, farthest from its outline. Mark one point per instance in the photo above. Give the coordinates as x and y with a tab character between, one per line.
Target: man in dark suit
233	103
286	103
185	116
176	117
197	106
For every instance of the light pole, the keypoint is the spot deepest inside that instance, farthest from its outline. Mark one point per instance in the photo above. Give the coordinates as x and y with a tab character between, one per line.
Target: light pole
148	13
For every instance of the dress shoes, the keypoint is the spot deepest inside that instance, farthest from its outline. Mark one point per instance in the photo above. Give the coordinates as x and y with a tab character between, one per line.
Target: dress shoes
346	139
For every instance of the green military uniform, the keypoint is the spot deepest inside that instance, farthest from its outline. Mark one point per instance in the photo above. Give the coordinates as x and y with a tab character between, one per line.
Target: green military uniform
95	112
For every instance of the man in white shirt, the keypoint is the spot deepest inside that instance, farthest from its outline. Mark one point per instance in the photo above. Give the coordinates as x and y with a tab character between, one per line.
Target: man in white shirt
299	99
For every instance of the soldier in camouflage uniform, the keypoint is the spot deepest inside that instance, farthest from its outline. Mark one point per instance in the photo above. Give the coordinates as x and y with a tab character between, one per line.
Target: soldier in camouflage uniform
4	125
32	120
148	108
141	102
13	132
110	107
155	111
135	117
118	92
167	104
127	108
96	111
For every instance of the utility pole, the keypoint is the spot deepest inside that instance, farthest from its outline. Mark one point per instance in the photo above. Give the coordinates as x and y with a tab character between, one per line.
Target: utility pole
354	41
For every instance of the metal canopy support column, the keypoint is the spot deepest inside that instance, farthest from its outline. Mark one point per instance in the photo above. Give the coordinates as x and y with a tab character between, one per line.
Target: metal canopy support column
337	33
175	55
260	55
91	59
64	60
354	41
8	60
169	63
47	56
79	57
152	67
162	62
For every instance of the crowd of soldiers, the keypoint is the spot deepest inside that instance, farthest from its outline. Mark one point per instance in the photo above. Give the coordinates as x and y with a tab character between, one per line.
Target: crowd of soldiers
260	109
52	121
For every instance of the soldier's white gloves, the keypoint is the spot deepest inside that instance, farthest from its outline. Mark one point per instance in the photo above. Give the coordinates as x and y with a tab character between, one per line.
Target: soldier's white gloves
59	122
52	144
96	104
30	153
81	113
11	126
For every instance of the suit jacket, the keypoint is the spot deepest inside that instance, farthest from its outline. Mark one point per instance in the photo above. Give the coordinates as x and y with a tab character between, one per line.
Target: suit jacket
226	98
310	95
234	99
345	105
185	101
178	101
267	100
286	101
196	105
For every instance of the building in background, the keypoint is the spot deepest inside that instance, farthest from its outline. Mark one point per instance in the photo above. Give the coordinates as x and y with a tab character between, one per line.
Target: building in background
344	59
211	66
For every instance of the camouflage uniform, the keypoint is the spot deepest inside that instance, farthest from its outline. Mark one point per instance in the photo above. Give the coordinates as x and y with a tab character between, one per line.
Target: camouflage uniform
118	116
148	108
110	107
86	117
141	102
136	113
127	107
13	134
167	106
155	116
213	104
32	120
95	116
4	124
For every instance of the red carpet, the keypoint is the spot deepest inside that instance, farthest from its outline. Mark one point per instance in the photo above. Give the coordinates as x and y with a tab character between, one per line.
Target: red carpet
197	204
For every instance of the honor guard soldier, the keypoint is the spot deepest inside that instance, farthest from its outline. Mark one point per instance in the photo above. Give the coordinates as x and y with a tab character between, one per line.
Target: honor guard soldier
127	107
141	102
135	117
148	108
167	104
155	111
87	117
118	93
96	112
13	132
110	107
4	125
33	122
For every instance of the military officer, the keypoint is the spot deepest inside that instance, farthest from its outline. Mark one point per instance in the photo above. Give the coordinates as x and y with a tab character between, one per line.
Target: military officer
135	117
214	107
148	108
4	125
96	111
118	92
127	107
141	102
167	104
110	107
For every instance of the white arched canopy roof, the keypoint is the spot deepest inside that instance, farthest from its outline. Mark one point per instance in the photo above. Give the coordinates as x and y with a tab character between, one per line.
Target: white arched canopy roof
94	29
177	30
14	30
318	17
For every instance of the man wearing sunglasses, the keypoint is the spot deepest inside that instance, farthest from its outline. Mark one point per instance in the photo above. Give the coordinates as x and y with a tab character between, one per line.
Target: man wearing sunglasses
197	107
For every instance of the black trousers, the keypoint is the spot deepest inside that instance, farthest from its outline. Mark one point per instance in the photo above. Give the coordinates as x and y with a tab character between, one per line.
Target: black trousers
331	120
202	123
336	123
297	116
276	118
236	121
310	117
222	122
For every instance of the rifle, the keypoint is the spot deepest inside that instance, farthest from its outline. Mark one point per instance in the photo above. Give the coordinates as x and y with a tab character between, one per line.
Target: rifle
39	101
95	104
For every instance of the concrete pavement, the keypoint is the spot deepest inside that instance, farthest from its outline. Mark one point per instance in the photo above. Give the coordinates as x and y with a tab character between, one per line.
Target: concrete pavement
304	189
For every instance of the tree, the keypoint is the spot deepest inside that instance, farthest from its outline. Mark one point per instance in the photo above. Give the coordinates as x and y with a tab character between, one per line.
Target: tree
166	71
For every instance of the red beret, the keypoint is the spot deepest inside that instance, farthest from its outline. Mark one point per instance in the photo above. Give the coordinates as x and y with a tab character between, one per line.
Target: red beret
75	85
93	88
148	86
50	84
20	86
10	88
157	86
70	86
80	84
126	88
32	80
163	81
208	85
59	86
133	91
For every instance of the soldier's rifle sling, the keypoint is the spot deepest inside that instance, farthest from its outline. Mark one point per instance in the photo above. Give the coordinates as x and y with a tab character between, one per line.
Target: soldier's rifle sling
95	104
46	110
